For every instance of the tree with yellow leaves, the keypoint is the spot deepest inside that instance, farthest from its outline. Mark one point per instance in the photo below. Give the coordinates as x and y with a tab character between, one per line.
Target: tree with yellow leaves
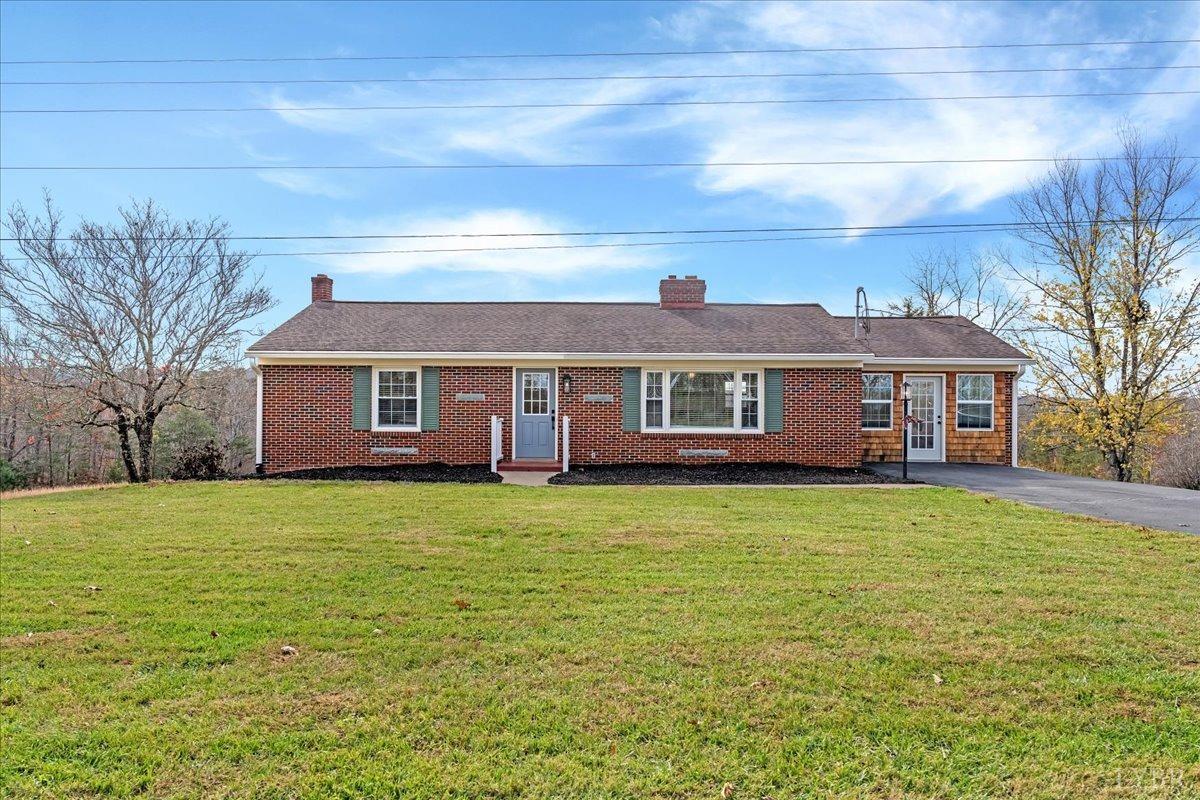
1114	320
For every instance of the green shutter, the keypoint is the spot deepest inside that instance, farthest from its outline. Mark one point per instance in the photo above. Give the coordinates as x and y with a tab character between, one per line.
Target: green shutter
431	384
773	380
631	399
361	402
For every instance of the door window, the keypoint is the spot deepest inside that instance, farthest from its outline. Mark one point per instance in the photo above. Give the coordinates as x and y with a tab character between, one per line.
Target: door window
923	409
535	393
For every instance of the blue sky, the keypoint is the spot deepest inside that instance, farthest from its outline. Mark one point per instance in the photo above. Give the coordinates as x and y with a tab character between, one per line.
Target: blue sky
297	202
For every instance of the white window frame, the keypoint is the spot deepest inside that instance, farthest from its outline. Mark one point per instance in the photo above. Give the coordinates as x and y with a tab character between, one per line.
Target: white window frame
737	400
891	401
958	401
375	426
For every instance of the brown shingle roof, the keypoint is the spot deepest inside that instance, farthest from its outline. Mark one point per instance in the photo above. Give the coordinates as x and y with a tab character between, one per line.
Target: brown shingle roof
802	329
934	337
560	328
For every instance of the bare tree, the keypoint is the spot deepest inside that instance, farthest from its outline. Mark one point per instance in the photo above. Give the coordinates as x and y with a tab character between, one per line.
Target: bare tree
944	282
128	315
1115	324
1177	461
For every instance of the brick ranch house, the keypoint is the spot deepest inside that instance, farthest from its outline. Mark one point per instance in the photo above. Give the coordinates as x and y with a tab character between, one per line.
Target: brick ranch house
346	383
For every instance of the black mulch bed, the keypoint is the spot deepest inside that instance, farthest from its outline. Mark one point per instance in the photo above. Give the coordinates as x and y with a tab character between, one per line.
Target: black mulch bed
720	474
406	473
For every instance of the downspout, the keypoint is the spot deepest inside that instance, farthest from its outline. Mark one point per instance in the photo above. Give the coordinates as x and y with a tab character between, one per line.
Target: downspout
258	419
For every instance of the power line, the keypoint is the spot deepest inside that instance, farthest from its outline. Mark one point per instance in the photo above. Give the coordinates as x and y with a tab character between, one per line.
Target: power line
542	78
626	104
611	54
578	165
947	227
601	245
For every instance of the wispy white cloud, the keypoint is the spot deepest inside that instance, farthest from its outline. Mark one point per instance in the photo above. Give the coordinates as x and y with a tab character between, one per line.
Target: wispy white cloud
863	195
473	231
893	194
304	183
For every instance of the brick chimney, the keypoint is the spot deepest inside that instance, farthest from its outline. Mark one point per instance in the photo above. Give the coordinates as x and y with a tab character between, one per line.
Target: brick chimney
322	287
686	292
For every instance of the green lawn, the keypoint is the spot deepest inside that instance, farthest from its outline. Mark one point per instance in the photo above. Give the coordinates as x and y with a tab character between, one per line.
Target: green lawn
499	641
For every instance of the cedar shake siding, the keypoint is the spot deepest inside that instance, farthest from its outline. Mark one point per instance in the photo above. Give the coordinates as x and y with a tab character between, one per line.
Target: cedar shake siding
308	421
987	447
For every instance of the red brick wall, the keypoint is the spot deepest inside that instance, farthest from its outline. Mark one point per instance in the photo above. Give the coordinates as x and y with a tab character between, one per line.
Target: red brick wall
307	421
822	411
989	447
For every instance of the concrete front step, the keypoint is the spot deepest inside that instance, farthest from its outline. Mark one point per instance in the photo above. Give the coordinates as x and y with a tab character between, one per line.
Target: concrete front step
530	465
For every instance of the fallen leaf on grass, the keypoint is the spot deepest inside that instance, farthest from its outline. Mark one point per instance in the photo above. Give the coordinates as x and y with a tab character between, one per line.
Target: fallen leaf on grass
213	634
727	791
937	679
288	650
463	605
92	588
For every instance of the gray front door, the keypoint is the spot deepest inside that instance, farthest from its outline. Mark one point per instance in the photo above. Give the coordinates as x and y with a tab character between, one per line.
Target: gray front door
535	413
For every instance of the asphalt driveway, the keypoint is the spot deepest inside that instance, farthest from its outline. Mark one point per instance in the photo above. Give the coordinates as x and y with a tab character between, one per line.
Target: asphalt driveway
1135	503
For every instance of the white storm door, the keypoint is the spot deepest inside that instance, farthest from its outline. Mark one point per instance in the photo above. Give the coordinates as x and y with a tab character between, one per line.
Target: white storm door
925	433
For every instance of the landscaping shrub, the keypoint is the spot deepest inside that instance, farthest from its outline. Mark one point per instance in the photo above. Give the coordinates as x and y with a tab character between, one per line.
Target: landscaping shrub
199	462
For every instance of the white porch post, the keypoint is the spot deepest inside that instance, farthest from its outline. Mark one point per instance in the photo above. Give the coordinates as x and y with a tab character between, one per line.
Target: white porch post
566	464
497	441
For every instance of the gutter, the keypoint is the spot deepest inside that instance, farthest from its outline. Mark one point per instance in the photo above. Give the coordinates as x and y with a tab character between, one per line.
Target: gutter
535	356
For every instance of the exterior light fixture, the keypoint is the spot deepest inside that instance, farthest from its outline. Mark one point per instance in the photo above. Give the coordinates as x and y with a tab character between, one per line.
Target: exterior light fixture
566	384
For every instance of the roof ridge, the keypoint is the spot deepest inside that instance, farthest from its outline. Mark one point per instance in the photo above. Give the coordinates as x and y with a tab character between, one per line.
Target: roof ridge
909	319
559	303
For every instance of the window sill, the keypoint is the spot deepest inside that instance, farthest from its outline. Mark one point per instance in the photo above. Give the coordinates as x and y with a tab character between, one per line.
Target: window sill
701	432
378	429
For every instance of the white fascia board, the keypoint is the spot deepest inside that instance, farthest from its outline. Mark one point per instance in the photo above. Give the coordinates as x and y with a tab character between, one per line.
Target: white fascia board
980	362
357	355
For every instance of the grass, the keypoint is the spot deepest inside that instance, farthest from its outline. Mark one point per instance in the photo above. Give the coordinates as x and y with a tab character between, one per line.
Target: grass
469	641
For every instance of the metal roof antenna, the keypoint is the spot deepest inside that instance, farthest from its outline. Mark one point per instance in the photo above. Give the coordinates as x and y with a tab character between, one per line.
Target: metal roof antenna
862	313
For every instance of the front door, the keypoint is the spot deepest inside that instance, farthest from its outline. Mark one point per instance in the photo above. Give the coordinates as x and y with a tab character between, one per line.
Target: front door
925	432
535	414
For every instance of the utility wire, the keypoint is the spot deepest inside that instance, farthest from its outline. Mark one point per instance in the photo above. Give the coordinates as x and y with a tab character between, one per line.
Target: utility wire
581	165
541	78
603	245
611	54
950	227
626	104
